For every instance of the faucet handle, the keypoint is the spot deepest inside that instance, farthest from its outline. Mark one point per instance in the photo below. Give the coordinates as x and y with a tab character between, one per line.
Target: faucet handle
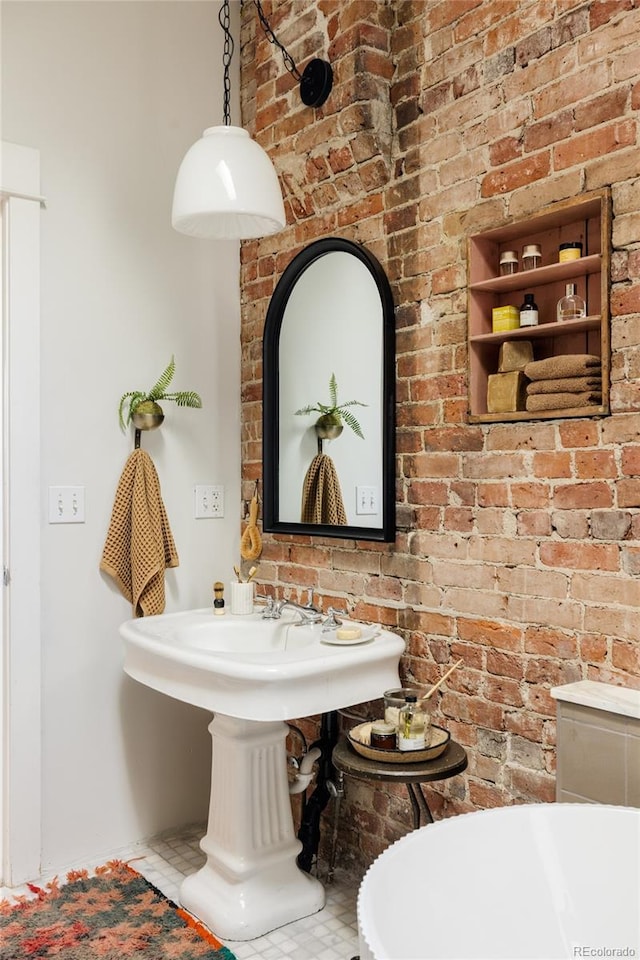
332	622
269	612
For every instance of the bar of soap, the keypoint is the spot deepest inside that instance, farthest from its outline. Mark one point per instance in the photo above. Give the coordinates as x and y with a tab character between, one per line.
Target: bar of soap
348	633
515	355
506	392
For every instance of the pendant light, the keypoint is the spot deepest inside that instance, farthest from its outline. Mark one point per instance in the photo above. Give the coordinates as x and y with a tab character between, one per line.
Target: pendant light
226	184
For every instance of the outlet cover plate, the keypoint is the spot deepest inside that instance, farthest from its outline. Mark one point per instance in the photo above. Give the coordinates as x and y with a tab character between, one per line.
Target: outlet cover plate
208	501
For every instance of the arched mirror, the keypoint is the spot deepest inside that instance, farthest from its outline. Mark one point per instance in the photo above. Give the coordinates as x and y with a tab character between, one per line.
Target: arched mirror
329	342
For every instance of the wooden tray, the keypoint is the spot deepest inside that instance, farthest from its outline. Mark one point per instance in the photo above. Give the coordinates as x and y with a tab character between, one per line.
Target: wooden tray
360	739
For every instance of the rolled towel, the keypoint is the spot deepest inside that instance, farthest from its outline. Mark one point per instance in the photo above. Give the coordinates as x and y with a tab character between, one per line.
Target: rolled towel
565	385
570	365
562	401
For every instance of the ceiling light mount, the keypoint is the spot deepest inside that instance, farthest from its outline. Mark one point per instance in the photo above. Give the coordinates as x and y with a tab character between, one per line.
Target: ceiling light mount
316	80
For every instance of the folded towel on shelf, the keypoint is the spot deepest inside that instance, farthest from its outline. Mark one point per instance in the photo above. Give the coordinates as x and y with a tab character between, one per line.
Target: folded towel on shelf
321	494
570	365
565	385
562	401
139	544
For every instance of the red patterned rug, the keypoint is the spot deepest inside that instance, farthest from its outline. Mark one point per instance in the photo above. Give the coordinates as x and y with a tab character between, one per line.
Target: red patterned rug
113	915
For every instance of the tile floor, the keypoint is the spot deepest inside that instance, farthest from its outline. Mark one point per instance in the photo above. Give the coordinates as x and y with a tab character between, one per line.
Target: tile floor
166	860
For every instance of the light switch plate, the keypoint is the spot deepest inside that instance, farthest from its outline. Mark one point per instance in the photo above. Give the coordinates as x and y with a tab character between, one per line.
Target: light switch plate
66	504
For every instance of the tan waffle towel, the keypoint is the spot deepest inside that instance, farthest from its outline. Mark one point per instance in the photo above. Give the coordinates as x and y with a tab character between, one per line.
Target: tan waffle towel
571	365
565	385
139	544
563	401
321	494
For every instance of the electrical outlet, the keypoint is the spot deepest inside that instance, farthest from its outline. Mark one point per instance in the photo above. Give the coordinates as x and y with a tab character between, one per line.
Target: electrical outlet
366	500
208	501
66	504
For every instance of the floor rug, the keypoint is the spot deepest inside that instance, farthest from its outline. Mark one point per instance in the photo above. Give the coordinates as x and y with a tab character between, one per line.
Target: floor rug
113	915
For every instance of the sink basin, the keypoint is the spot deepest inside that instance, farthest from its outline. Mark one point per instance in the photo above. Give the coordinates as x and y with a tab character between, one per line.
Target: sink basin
258	669
255	674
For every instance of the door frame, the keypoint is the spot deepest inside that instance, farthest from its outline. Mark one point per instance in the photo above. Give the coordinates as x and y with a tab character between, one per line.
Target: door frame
21	755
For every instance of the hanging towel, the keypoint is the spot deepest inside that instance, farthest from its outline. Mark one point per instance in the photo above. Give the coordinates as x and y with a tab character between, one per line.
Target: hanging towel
321	494
563	401
571	365
139	544
565	385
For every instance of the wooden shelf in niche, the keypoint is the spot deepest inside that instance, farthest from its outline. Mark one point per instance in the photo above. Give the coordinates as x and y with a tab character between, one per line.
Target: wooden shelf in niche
587	219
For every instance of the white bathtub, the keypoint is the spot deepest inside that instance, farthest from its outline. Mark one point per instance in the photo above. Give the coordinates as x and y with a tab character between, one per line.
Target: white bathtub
538	880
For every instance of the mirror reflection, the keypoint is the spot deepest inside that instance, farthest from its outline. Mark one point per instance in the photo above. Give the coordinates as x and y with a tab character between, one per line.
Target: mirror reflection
328	396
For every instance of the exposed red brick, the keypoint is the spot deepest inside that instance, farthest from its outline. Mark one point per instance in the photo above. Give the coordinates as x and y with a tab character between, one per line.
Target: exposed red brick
582	556
582	433
625	299
548	131
595	463
516	175
578	495
507	534
552	464
603	11
533	786
593	649
628	493
596	143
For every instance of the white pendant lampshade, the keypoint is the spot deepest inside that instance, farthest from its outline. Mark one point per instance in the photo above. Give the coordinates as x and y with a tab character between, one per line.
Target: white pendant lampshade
227	187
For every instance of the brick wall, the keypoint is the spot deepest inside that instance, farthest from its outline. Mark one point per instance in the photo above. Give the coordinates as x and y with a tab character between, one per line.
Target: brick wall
518	546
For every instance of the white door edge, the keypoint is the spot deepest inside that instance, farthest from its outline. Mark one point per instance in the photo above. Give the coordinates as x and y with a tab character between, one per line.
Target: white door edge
21	676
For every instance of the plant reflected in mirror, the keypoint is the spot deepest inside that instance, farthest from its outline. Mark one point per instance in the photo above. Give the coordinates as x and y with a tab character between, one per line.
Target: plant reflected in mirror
333	413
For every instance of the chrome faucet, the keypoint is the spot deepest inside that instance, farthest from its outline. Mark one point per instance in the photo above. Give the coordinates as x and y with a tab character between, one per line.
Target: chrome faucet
308	613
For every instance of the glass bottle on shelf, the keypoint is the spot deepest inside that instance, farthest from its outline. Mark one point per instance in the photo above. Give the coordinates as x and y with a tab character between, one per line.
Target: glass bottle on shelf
529	312
571	306
411	725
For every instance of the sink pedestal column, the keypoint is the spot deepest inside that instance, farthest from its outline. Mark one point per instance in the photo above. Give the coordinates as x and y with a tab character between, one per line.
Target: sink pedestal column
250	883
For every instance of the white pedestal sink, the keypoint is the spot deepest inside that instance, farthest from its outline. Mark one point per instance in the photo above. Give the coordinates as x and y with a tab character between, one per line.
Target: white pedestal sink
254	674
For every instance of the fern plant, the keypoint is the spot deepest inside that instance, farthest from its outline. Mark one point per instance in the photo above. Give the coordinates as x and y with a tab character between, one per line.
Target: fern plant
139	401
333	413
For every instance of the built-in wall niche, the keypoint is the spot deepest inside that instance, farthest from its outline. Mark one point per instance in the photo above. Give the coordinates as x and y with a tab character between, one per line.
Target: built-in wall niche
587	220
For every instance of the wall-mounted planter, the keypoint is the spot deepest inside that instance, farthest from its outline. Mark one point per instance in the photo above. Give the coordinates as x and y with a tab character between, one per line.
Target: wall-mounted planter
327	429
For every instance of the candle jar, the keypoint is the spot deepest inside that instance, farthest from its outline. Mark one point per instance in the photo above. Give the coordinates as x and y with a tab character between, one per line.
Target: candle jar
383	735
508	263
531	256
394	701
569	251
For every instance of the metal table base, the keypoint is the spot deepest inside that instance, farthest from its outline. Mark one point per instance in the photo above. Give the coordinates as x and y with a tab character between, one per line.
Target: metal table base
450	763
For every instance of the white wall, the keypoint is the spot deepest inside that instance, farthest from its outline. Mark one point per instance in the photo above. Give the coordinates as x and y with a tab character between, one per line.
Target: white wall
113	94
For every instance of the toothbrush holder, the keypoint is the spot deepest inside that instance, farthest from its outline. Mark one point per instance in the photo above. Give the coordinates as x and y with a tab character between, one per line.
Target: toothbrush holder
241	598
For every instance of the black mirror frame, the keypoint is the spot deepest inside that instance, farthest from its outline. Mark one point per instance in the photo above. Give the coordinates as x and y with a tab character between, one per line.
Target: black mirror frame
271	397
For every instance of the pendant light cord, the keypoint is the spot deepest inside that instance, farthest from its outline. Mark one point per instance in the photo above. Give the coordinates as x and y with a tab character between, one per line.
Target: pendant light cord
225	22
271	37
